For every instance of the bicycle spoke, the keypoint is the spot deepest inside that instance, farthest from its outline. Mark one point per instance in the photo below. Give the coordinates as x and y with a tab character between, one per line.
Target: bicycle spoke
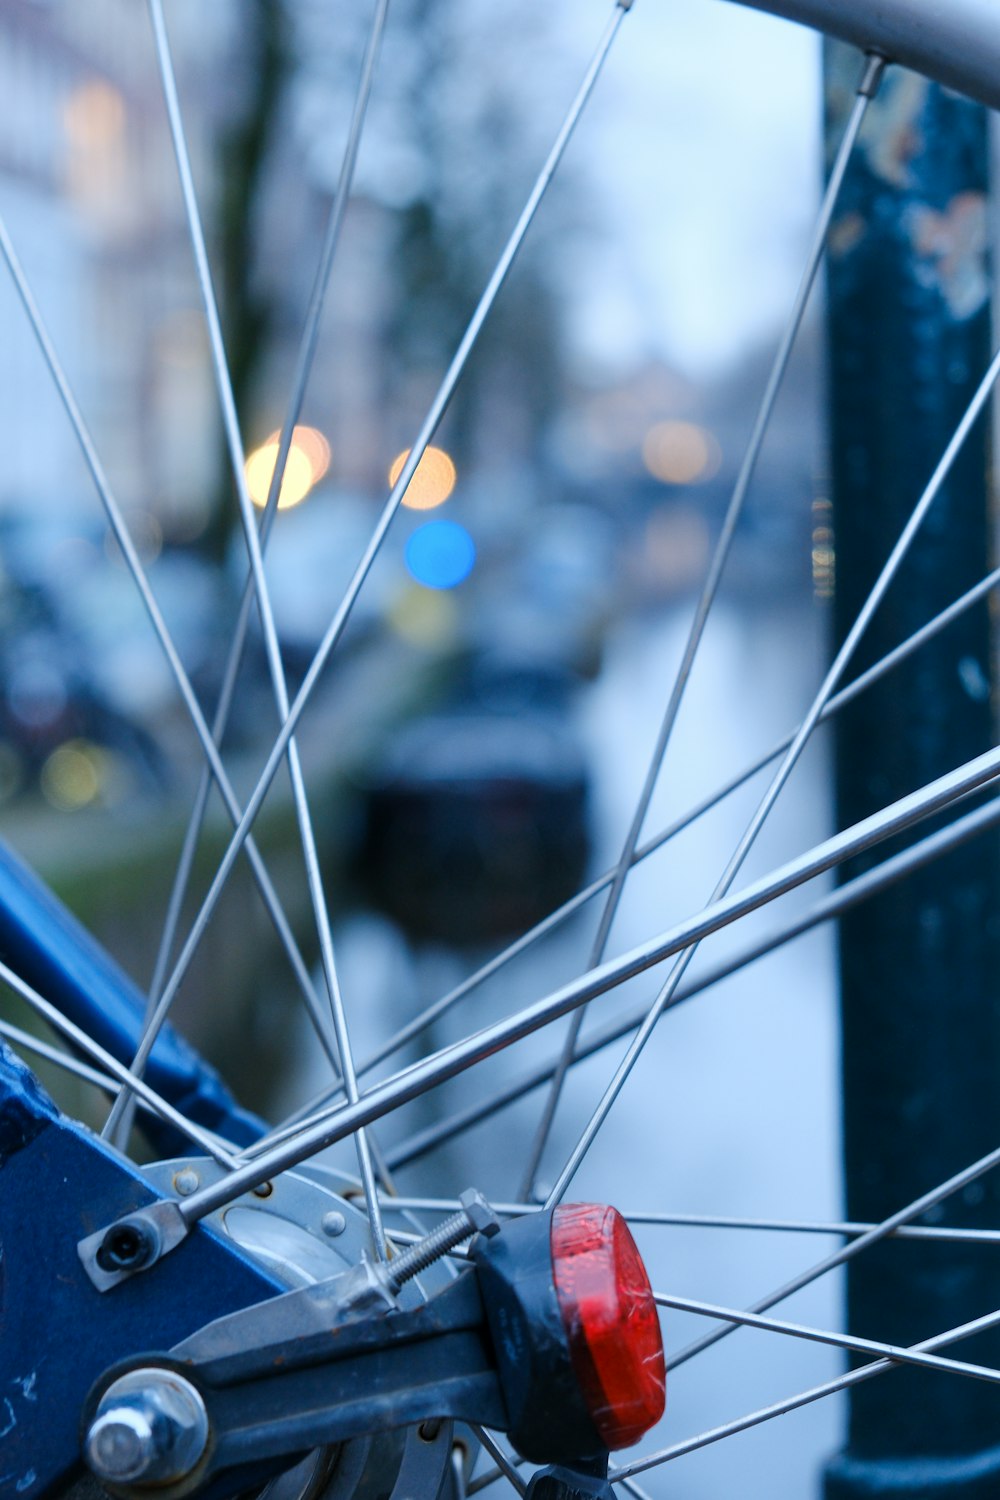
492	1475
303	367
335	629
834	905
109	1085
64	1060
120	531
840	1229
410	1083
888	573
205	1140
848	1252
837	1229
235	446
633	1488
816	1393
892	1352
874	69
879	878
503	1460
360	1091
483	1481
300	379
548	924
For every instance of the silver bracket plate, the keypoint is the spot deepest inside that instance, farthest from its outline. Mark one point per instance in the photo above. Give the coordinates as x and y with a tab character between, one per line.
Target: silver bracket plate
133	1243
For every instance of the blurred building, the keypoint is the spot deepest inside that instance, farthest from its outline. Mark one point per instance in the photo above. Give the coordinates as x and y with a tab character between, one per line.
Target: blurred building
88	190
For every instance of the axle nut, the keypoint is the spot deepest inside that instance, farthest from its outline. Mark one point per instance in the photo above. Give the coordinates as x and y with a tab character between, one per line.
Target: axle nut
151	1426
120	1443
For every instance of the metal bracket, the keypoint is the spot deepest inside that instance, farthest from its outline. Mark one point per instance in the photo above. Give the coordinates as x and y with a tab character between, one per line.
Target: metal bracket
130	1244
563	1482
56	1181
340	1359
281	1378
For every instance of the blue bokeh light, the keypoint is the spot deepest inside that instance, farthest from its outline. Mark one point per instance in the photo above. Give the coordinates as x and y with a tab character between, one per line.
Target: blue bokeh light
440	554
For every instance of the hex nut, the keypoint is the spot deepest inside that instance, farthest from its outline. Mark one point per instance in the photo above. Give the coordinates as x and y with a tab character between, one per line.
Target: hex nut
119	1444
479	1213
151	1425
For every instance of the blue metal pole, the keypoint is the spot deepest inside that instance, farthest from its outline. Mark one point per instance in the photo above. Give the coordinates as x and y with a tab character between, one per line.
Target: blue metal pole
909	339
43	943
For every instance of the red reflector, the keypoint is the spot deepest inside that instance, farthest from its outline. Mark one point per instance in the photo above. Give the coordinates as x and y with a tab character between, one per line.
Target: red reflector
610	1320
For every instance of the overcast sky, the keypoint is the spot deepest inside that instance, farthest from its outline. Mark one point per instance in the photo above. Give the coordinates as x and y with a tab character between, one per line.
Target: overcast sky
701	145
704	140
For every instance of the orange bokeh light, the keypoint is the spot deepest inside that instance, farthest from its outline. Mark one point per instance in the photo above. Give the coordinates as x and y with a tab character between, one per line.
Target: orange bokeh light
433	481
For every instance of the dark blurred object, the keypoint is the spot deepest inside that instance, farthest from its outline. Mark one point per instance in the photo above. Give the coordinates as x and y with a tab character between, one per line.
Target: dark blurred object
476	819
47	701
52	696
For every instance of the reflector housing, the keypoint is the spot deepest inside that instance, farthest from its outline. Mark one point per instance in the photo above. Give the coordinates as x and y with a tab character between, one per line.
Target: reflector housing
611	1321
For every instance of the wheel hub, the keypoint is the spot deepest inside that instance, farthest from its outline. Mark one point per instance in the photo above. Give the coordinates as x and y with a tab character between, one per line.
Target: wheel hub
304	1227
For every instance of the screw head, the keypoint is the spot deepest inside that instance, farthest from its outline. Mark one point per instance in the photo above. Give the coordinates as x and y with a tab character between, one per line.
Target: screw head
186	1181
127	1245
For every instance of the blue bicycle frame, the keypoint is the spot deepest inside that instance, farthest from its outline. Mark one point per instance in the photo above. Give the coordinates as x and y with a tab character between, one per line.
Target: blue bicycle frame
58	1183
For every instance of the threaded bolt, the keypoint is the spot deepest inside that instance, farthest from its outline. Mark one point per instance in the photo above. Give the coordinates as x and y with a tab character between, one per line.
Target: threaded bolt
474	1217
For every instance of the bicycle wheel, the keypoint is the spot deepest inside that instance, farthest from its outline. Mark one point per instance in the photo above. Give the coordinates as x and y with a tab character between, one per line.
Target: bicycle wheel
220	1182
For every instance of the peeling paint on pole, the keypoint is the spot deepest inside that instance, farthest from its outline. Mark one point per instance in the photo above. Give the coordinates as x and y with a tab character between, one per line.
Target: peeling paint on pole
909	302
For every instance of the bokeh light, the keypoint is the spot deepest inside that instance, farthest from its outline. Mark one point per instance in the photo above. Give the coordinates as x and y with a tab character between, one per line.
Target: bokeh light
681	453
308	460
425	618
824	556
94	116
433	481
440	554
311	442
71	777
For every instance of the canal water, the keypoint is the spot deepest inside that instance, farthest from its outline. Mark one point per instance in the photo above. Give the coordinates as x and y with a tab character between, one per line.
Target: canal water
732	1109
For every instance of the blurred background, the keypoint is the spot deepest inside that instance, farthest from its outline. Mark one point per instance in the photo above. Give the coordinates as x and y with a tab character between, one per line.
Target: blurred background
477	745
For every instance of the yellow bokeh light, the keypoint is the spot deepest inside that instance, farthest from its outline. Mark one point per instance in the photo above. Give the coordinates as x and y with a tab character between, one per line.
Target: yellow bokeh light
425	618
311	442
824	555
94	116
433	481
308	460
680	453
71	777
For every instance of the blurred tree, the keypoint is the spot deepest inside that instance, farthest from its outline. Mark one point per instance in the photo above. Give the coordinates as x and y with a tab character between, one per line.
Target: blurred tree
455	137
461	120
247	302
